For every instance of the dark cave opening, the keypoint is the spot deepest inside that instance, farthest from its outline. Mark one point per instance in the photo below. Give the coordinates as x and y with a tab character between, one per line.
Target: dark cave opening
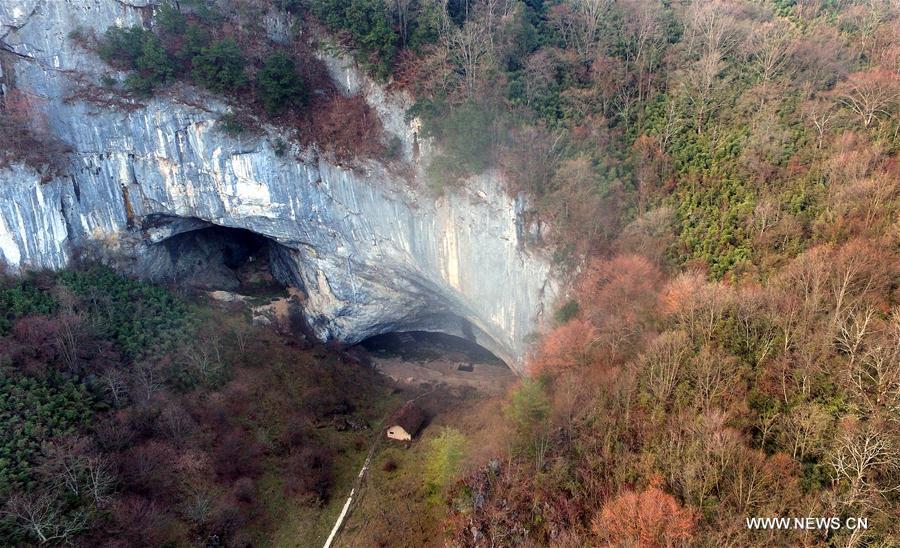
220	258
421	346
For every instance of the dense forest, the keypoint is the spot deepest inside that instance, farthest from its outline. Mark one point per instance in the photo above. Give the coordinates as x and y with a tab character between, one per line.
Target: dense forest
722	177
132	417
717	179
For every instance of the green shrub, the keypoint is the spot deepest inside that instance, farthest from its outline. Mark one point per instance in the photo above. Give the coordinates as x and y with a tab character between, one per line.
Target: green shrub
279	84
443	172
33	410
528	409
21	298
195	39
231	124
291	6
445	453
566	312
466	138
220	67
122	47
368	22
140	51
154	67
141	318
425	26
108	81
170	19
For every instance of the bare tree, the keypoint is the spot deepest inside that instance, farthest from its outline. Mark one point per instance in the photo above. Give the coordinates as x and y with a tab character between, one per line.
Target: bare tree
803	429
589	16
874	379
754	480
99	479
73	464
765	215
711	34
533	157
870	95
855	272
115	383
199	504
69	337
700	87
821	115
148	379
712	375
402	11
853	330
663	363
768	47
41	515
645	29
857	459
468	50
204	356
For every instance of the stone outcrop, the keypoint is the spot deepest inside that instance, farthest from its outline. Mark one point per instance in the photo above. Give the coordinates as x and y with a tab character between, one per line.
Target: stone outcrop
373	252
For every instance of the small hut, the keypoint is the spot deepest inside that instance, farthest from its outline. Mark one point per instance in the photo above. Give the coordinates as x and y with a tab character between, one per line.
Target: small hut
406	422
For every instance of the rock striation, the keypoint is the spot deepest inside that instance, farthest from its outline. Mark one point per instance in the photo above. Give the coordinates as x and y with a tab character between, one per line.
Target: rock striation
373	251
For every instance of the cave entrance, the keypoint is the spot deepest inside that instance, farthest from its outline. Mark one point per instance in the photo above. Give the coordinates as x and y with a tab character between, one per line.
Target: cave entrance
220	258
434	358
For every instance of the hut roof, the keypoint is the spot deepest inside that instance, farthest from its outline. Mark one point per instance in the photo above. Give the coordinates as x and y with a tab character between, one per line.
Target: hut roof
410	417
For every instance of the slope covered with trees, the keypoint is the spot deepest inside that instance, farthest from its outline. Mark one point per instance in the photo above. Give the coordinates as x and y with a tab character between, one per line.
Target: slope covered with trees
132	416
720	179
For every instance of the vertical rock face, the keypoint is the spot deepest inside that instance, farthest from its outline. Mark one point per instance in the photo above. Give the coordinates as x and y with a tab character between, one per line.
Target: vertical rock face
372	251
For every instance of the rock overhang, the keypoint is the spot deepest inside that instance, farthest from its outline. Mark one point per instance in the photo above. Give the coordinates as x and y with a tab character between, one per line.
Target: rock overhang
373	252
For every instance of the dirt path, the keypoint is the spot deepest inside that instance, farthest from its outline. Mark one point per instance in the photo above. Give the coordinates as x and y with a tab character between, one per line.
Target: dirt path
356	485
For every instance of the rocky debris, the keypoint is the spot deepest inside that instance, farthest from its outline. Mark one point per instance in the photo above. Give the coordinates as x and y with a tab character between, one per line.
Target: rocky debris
282	313
227	297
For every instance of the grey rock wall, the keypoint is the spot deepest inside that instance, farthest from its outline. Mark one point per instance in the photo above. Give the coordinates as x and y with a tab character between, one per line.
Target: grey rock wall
373	252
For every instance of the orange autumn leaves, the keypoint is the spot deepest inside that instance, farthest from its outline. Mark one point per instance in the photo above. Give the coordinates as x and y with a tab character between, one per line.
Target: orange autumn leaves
648	518
616	298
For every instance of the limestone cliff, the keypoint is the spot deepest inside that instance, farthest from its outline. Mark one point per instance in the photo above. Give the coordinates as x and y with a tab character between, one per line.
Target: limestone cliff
372	251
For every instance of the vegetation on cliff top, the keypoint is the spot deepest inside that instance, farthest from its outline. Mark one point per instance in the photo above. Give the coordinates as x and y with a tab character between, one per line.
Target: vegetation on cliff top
283	83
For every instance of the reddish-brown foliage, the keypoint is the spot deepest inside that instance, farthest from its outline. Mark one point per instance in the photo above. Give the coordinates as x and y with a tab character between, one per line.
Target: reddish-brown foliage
680	290
870	95
309	472
148	469
345	126
26	137
568	346
649	518
621	290
33	346
237	455
139	521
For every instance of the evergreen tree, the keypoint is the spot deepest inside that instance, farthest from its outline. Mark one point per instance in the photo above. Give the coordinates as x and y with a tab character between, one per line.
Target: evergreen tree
220	67
279	84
